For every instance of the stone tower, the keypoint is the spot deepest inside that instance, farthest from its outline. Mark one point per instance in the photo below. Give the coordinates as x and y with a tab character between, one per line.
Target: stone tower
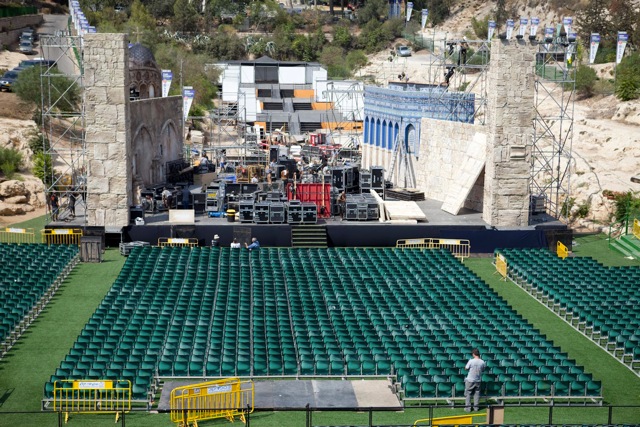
510	114
107	130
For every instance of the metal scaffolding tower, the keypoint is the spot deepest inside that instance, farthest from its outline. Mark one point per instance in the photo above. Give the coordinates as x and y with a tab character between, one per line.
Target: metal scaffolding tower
63	121
554	103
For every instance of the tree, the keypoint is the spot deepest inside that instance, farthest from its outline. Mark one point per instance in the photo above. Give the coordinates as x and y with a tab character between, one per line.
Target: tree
185	16
140	17
43	168
342	35
628	78
480	27
585	80
439	10
500	13
373	10
594	19
625	18
159	8
61	92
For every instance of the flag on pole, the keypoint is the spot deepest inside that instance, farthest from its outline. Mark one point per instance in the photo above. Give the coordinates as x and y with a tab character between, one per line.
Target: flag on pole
593	48
188	93
409	10
523	26
167	77
510	25
533	30
492	29
567	22
425	16
623	38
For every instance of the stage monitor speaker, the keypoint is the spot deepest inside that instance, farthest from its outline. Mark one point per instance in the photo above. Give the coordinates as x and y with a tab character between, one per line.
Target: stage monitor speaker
377	177
273	154
277	213
337	178
134	212
261	213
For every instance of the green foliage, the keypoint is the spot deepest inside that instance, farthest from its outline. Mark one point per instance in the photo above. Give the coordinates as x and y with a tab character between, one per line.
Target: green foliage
43	168
140	17
185	16
38	143
480	27
376	36
628	78
373	10
159	8
585	80
61	91
222	45
583	209
10	161
500	15
177	59
342	35
439	10
356	59
593	19
626	204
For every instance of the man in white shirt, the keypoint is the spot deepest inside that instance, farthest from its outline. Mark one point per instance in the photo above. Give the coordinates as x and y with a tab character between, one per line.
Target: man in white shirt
473	381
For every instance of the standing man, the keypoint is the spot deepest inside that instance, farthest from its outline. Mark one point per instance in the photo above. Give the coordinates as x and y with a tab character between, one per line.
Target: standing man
254	244
473	381
215	242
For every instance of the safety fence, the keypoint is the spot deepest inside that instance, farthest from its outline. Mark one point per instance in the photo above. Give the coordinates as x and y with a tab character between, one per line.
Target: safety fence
62	236
535	416
460	248
91	396
501	265
17	235
561	250
174	241
227	398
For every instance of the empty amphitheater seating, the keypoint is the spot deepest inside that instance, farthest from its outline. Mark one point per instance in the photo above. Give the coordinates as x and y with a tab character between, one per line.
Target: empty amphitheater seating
29	275
600	301
216	312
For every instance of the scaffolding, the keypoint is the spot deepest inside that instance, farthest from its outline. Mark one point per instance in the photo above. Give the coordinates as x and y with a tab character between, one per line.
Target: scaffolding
554	104
63	122
347	128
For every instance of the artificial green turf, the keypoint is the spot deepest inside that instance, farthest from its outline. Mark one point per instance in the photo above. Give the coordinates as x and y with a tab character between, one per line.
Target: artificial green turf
596	246
36	356
37	224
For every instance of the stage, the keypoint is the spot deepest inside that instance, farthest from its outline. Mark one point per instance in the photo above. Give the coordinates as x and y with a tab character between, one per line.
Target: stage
544	232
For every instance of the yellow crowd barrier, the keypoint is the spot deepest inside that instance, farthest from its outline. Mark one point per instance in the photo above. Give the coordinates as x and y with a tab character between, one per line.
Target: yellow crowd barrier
501	265
460	248
227	398
17	235
169	241
454	420
562	250
91	396
636	228
61	236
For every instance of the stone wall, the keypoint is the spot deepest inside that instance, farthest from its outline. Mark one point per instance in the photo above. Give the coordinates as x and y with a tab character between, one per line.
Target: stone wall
156	138
108	133
510	115
10	28
446	147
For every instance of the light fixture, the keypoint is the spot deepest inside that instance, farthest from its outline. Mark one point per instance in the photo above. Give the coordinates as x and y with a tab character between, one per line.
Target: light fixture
502	36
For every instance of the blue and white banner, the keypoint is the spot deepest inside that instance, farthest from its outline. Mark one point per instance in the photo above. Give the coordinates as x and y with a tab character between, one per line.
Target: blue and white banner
492	29
567	22
533	30
425	16
167	77
510	25
409	10
523	26
593	48
188	93
548	35
623	38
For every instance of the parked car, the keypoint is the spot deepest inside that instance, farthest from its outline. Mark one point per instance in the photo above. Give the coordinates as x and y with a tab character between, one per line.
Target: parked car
26	48
9	79
403	51
36	62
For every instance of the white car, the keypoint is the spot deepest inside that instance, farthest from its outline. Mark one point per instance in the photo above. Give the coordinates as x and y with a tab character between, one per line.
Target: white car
403	51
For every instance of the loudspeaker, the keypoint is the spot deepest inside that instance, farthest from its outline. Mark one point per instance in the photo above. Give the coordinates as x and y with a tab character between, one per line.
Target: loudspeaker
184	231
337	178
377	177
277	213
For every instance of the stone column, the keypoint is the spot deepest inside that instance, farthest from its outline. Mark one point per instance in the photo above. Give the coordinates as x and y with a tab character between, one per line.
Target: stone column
510	116
108	138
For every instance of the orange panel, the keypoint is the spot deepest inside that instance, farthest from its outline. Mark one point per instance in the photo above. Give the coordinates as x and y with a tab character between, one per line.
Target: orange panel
342	125
303	93
321	105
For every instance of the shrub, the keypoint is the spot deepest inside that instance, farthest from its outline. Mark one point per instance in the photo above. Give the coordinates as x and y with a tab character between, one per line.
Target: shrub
585	80
628	79
627	204
10	161
42	168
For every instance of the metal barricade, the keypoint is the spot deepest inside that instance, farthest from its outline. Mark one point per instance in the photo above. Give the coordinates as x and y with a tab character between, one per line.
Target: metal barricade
91	396
17	235
454	420
562	250
227	398
636	228
61	236
460	248
501	265
174	241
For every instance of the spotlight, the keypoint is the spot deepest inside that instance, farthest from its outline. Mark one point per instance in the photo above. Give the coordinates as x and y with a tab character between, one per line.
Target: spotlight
571	39
532	38
548	40
502	36
519	36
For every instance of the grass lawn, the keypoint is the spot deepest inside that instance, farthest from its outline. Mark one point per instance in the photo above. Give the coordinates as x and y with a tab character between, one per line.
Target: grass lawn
26	368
